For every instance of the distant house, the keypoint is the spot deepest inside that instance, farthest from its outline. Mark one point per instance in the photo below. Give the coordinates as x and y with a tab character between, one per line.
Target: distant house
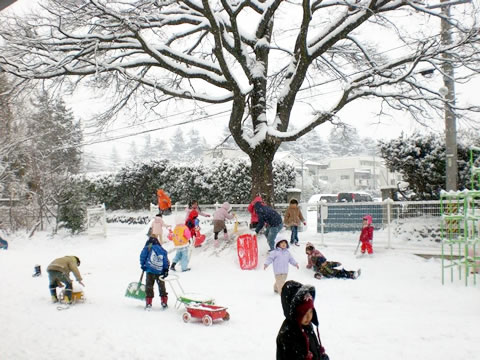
358	173
336	174
221	153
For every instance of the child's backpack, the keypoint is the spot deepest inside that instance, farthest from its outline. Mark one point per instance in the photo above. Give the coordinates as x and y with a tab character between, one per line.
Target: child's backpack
164	202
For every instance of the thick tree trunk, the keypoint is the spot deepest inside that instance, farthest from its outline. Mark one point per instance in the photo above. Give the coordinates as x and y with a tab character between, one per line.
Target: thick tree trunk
262	172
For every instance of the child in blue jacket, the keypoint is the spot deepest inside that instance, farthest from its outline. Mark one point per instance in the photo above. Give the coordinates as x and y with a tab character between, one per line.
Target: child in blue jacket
273	220
281	258
154	261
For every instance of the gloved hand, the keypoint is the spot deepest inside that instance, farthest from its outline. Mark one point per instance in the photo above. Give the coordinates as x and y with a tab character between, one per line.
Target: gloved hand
165	274
305	223
324	357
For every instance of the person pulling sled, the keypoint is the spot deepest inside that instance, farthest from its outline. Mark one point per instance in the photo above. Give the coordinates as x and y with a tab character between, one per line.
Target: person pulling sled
154	261
59	276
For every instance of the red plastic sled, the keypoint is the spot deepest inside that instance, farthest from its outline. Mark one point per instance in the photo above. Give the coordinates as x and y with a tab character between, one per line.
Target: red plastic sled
247	251
199	238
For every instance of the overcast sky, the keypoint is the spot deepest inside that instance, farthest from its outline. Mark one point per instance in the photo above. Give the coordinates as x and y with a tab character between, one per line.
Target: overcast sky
361	115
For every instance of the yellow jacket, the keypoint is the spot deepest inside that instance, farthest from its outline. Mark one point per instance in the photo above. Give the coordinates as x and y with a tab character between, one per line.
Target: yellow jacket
181	236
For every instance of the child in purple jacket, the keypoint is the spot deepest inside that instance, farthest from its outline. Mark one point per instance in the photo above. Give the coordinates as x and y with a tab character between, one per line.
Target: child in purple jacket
280	257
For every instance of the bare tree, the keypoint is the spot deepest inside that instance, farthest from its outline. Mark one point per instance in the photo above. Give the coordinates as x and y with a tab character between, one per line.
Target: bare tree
257	56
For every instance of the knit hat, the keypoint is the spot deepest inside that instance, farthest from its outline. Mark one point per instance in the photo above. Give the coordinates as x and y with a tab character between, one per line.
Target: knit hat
309	246
304	306
368	218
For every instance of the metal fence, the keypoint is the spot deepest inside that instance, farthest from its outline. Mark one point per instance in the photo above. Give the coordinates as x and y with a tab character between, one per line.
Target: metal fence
417	219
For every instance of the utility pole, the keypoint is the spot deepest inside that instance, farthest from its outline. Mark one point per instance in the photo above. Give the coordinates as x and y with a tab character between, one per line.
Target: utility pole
448	91
449	94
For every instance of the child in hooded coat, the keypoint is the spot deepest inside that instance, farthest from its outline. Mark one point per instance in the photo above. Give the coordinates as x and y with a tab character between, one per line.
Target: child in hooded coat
296	339
181	240
157	227
311	251
219	218
154	261
191	216
366	236
251	210
280	257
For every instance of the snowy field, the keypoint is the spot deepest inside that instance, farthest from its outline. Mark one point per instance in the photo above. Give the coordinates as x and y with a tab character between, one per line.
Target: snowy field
397	309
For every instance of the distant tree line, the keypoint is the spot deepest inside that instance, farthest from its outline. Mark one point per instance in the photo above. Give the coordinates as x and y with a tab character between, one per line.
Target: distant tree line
186	146
39	151
420	158
133	186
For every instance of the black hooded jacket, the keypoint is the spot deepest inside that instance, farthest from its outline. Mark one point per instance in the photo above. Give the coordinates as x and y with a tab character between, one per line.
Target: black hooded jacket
291	343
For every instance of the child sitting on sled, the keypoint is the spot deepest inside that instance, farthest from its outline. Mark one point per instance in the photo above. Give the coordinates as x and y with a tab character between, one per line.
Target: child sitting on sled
154	261
327	269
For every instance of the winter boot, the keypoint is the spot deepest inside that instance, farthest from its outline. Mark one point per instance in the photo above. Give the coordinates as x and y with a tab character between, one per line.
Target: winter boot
357	273
148	304
164	301
37	271
173	266
54	299
67	300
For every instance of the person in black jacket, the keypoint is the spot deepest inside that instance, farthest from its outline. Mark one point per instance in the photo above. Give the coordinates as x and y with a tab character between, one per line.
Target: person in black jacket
269	217
297	339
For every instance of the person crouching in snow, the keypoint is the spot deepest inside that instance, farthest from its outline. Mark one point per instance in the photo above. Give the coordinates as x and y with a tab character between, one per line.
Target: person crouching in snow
296	339
280	257
366	236
154	261
270	218
181	239
59	273
219	218
328	269
311	251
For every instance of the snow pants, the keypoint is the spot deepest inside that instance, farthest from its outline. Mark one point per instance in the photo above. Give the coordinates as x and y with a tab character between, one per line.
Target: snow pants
279	282
182	257
367	246
150	281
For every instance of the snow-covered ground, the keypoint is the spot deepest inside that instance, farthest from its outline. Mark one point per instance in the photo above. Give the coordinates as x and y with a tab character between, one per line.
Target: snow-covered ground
397	309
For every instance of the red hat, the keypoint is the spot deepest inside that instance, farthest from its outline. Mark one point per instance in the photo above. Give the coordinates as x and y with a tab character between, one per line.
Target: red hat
304	306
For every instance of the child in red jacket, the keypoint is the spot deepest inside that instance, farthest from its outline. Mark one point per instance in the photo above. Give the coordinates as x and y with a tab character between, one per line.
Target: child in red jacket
366	236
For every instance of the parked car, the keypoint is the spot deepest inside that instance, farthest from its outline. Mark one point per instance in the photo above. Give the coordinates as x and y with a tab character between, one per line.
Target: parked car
354	197
316	198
